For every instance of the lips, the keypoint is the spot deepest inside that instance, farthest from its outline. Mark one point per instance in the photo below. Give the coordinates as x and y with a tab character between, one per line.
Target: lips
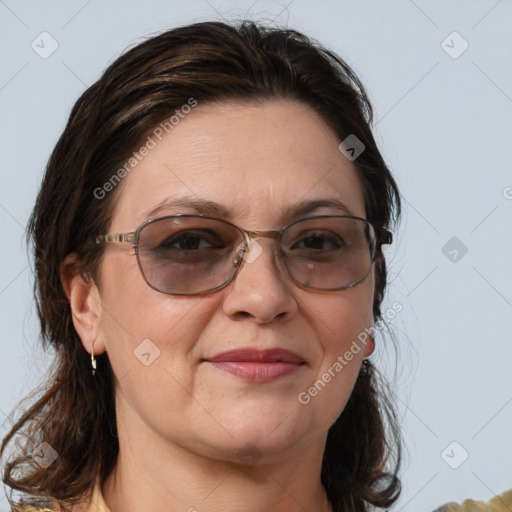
275	355
255	365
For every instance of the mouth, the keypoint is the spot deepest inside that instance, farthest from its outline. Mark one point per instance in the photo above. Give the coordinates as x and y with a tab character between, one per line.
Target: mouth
254	365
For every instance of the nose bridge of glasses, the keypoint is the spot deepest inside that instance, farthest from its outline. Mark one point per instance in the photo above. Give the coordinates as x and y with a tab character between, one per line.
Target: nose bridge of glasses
254	234
251	236
251	249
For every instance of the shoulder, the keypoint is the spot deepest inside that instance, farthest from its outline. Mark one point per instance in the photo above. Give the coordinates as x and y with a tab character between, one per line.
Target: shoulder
501	503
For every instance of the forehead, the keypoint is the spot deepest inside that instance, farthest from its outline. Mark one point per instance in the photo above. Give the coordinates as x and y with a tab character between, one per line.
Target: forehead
256	160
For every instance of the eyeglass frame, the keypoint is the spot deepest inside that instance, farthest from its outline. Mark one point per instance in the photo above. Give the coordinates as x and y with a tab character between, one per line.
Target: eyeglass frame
382	237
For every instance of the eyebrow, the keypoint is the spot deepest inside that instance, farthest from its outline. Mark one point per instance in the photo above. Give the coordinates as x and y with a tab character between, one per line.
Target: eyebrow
307	207
211	208
201	206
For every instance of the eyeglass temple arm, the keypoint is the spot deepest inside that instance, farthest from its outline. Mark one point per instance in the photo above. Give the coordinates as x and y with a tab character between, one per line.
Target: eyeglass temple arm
117	237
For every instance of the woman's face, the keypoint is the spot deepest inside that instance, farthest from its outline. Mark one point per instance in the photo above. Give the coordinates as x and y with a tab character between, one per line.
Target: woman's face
255	163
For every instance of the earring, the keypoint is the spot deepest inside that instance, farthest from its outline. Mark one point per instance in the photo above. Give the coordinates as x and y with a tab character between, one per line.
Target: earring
93	360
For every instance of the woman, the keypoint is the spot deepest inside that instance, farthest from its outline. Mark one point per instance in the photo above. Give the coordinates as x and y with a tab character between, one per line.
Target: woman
209	268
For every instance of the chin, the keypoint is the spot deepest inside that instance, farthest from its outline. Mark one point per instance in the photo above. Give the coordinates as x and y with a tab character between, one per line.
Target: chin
250	450
262	434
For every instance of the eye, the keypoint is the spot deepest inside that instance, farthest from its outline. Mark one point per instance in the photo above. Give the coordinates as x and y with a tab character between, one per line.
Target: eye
318	241
192	241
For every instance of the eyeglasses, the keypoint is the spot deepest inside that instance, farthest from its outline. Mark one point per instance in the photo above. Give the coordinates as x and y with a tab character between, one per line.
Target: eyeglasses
194	254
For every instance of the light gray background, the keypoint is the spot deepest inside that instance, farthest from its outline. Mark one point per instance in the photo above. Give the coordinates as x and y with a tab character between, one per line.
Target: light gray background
444	125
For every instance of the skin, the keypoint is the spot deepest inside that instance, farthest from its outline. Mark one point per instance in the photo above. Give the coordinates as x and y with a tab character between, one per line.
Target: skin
182	422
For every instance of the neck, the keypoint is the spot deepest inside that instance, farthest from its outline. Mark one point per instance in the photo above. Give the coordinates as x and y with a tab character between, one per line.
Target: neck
156	474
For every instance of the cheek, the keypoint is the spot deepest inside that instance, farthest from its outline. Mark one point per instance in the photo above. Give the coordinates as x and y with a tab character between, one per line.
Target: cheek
343	335
342	317
342	325
145	330
149	339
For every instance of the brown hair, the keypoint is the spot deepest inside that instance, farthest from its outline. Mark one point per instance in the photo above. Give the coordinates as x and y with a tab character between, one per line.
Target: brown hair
209	62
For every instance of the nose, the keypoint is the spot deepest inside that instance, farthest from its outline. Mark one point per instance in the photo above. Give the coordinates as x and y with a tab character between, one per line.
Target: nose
260	291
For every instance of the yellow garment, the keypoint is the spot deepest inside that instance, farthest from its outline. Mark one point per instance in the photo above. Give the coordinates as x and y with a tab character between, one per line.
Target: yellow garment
502	503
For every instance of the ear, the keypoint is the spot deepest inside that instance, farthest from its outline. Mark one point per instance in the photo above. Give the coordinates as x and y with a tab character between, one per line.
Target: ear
369	346
85	303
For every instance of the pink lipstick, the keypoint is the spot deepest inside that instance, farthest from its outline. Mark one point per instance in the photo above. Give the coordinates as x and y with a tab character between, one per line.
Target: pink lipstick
255	365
